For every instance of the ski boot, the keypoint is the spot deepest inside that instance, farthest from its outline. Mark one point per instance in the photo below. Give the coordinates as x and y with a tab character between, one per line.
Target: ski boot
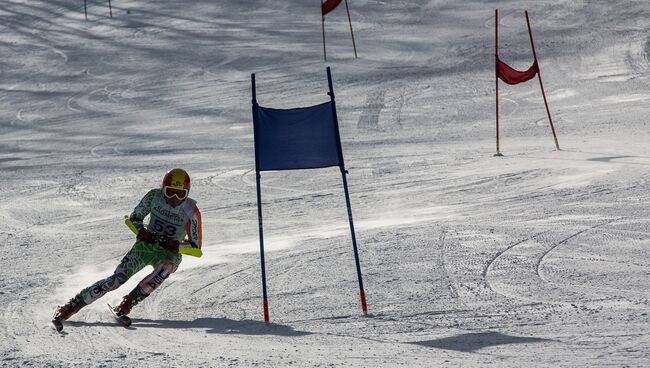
128	302
62	313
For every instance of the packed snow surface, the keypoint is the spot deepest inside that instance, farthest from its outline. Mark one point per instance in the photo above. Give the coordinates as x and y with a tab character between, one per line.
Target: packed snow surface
539	258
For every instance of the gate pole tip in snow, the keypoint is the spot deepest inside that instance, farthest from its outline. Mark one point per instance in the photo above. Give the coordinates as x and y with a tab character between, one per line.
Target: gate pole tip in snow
266	312
110	8
86	9
364	305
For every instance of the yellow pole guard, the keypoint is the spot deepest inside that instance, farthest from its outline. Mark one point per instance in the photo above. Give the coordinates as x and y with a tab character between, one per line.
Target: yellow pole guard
128	223
184	248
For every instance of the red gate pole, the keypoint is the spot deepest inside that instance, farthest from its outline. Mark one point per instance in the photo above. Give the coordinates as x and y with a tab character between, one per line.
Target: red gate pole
496	74
323	26
354	45
539	75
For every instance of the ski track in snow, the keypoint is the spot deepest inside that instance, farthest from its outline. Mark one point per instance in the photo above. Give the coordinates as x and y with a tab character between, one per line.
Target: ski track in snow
538	258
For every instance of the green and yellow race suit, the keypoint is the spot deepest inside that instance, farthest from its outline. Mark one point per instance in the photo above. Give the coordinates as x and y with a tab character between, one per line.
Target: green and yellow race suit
180	222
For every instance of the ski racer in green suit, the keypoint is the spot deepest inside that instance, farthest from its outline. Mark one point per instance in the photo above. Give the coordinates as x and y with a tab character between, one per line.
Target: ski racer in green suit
173	217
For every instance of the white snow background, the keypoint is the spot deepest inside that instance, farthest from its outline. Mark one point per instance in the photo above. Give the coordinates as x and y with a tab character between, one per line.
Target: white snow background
535	259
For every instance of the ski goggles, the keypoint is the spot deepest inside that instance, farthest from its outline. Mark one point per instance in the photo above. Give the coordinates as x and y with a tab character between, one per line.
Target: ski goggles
171	192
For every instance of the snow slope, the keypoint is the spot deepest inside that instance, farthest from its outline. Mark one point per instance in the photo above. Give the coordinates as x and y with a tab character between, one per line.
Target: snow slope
538	258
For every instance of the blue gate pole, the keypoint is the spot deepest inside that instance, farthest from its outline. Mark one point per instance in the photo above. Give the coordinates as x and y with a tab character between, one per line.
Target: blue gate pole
344	172
265	301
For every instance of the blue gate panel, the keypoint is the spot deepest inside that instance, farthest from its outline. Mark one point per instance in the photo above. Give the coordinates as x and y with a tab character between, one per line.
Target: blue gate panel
302	138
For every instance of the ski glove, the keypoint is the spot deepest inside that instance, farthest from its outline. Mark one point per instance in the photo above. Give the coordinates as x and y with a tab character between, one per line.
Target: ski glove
170	244
164	241
144	234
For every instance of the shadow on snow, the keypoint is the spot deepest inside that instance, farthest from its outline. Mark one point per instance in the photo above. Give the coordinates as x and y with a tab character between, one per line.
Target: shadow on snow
214	325
472	342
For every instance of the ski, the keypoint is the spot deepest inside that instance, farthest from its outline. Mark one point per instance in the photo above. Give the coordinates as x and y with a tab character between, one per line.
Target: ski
123	320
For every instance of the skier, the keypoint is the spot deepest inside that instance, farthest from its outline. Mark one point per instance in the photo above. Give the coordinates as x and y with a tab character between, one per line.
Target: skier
172	216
